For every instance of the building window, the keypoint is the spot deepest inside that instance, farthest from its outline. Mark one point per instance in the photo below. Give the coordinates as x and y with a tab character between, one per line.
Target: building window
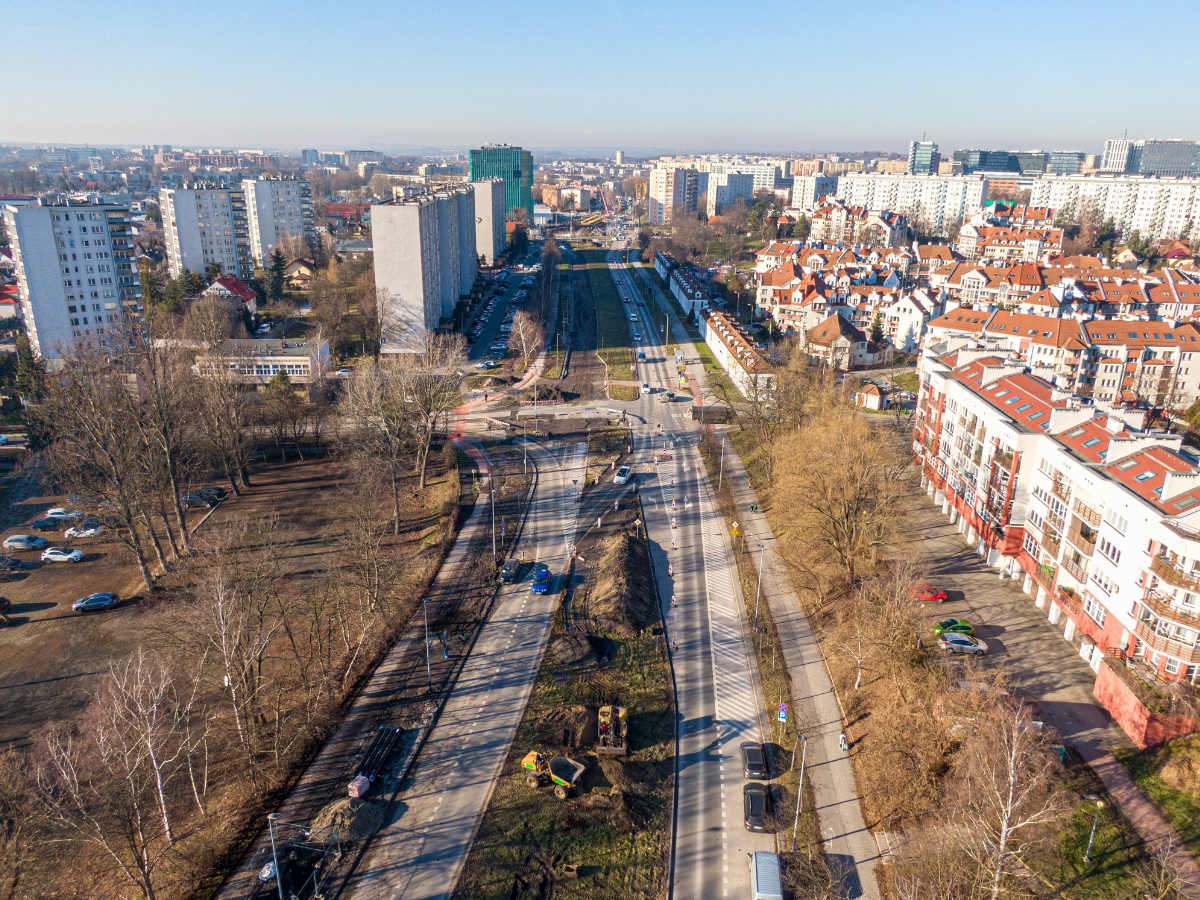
1094	610
1172	666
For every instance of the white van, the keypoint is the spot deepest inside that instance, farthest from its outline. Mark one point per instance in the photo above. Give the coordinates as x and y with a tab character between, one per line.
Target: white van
765	880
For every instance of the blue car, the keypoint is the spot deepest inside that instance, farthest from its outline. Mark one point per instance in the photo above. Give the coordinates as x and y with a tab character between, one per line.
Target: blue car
541	579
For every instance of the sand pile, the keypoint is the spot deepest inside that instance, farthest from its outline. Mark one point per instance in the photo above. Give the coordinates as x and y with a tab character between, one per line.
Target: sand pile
623	599
350	819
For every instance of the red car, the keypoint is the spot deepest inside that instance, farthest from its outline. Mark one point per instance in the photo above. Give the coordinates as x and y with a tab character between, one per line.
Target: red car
928	594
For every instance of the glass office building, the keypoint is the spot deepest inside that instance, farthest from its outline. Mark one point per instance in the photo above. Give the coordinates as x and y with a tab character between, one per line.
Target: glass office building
512	164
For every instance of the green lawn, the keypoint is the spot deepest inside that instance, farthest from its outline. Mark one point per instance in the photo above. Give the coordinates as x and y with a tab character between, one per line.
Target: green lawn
610	311
909	381
622	392
1182	808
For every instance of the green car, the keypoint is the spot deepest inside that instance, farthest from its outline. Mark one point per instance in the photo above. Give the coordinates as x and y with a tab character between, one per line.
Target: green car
953	626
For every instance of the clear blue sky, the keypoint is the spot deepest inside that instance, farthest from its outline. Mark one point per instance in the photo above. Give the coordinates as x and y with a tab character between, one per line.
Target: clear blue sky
648	74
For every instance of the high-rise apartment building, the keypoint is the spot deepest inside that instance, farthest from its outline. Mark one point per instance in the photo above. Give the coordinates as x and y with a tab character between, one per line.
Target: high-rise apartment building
671	190
490	210
1155	209
512	164
1117	155
620	160
310	157
424	249
922	158
929	201
75	271
725	189
206	225
807	189
354	157
277	207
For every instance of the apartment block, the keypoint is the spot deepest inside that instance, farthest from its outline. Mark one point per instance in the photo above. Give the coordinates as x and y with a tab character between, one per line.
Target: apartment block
490	209
277	208
75	271
725	188
671	190
807	190
937	200
1157	209
206	225
1096	515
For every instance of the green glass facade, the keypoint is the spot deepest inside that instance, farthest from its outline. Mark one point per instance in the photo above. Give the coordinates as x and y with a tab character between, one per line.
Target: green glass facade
512	164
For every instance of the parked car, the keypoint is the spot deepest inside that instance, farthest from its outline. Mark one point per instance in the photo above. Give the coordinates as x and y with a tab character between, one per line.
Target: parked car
61	554
61	512
212	491
927	594
485	365
622	476
48	524
541	579
194	501
754	761
9	564
344	373
3	440
953	626
511	572
24	542
96	602
962	643
85	529
756	802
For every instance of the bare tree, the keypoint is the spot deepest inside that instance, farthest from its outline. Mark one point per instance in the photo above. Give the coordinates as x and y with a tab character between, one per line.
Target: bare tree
375	407
1008	783
527	334
430	379
223	410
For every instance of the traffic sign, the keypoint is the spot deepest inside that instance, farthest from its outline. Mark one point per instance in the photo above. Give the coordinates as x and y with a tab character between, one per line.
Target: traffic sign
734	527
783	711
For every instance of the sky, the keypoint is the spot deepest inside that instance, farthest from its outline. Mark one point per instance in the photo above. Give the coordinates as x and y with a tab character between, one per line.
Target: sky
648	76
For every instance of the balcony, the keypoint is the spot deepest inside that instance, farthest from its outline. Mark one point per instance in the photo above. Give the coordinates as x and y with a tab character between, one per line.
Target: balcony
1061	489
1083	543
1051	544
1004	460
1087	513
1044	575
1153	640
1077	571
1069	600
1173	576
1161	606
1188	534
1056	520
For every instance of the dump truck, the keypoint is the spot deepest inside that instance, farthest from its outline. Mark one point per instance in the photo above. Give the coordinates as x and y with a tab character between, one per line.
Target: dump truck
612	731
560	771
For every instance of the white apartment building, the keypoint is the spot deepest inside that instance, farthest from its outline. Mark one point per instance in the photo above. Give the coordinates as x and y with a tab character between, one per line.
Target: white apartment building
425	260
490	209
725	188
766	174
807	190
75	271
935	199
1096	516
206	225
1156	208
277	207
736	355
671	189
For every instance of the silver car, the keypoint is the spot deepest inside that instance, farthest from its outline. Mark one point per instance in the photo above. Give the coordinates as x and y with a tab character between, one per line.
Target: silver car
962	643
25	542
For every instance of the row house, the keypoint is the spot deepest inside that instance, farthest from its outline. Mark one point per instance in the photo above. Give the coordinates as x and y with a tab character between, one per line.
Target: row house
840	222
1096	516
1007	243
736	354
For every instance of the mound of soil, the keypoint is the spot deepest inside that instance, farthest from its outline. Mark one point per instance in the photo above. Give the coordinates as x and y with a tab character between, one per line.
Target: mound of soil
630	776
350	819
1181	771
570	727
623	811
581	651
623	600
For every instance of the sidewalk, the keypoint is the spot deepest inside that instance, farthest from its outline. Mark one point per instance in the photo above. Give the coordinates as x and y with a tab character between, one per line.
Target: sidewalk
847	839
1141	812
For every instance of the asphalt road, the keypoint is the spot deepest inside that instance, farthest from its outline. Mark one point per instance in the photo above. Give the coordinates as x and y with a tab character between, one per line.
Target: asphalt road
420	851
718	696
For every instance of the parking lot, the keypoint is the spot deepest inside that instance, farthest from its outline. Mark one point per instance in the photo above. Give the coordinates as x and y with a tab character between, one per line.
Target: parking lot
1039	661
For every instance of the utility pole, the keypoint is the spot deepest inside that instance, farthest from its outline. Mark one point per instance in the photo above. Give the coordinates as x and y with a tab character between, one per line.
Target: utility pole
493	494
428	669
721	474
275	856
799	791
758	593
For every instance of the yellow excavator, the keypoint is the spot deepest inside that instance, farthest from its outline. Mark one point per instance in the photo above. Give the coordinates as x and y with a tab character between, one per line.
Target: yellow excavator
560	771
613	732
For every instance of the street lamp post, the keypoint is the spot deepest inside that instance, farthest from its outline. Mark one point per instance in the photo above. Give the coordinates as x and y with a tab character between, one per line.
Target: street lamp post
274	855
758	593
1087	854
721	474
428	668
799	790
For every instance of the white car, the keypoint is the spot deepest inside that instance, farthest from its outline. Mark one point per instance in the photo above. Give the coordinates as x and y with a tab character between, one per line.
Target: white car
84	530
645	387
61	554
61	512
622	476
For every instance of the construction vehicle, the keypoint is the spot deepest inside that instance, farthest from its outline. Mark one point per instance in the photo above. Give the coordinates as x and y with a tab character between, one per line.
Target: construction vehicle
613	732
560	771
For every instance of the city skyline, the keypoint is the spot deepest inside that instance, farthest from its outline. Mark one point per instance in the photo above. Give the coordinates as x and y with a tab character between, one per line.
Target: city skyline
601	79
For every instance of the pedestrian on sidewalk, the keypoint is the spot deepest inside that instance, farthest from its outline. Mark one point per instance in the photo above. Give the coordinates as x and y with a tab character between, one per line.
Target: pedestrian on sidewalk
842	742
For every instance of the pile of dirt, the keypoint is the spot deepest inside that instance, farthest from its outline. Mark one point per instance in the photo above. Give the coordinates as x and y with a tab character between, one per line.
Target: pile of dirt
582	652
350	819
630	776
623	599
1181	770
622	810
570	727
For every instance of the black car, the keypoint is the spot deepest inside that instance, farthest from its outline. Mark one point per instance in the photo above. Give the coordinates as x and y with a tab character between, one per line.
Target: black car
756	800
511	572
212	491
190	501
48	524
754	761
